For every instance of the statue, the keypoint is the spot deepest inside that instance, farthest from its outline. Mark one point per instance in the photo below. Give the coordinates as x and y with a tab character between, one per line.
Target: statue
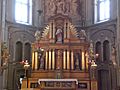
41	60
60	6
76	61
67	6
83	34
59	35
64	7
51	7
41	63
37	35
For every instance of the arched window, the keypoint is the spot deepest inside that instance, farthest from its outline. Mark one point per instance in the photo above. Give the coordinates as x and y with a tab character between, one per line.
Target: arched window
106	51
23	11
102	10
27	51
98	51
18	51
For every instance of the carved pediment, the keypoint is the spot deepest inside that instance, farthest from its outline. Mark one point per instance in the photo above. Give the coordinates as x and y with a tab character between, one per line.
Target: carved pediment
59	16
60	29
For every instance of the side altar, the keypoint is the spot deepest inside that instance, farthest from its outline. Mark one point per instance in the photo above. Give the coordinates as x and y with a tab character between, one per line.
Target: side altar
59	58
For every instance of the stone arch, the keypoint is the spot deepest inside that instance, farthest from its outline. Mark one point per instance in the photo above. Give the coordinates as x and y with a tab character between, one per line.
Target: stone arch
27	51
106	50
98	51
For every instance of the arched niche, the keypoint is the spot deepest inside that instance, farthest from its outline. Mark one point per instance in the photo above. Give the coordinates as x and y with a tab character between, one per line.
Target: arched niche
106	51
18	51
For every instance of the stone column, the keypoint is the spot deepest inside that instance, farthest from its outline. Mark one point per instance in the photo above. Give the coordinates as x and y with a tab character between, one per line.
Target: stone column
1	79
4	39
53	27
50	36
118	41
68	31
5	76
65	29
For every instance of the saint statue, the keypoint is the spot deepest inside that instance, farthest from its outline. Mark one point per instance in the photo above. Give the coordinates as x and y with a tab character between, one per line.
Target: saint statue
51	7
59	35
37	35
83	34
60	6
77	62
41	63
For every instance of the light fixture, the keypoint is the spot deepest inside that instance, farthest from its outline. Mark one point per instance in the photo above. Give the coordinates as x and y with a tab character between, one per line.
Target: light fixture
93	64
26	66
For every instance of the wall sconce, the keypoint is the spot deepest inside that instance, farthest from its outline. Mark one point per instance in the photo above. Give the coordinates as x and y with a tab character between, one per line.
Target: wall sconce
26	66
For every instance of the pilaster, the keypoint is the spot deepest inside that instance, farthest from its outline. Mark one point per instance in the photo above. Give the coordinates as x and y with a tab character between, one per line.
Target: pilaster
118	41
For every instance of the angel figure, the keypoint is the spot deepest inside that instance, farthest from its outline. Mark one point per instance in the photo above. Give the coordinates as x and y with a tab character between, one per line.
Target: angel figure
37	35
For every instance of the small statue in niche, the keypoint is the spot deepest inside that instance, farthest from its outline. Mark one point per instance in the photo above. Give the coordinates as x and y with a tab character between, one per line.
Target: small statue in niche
67	6
59	35
77	61
42	63
113	55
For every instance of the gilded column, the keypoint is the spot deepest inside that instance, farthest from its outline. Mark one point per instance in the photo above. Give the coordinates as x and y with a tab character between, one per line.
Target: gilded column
68	31
46	61
36	60
83	60
68	59
65	29
50	31
72	60
33	60
50	61
53	59
53	30
86	55
64	59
